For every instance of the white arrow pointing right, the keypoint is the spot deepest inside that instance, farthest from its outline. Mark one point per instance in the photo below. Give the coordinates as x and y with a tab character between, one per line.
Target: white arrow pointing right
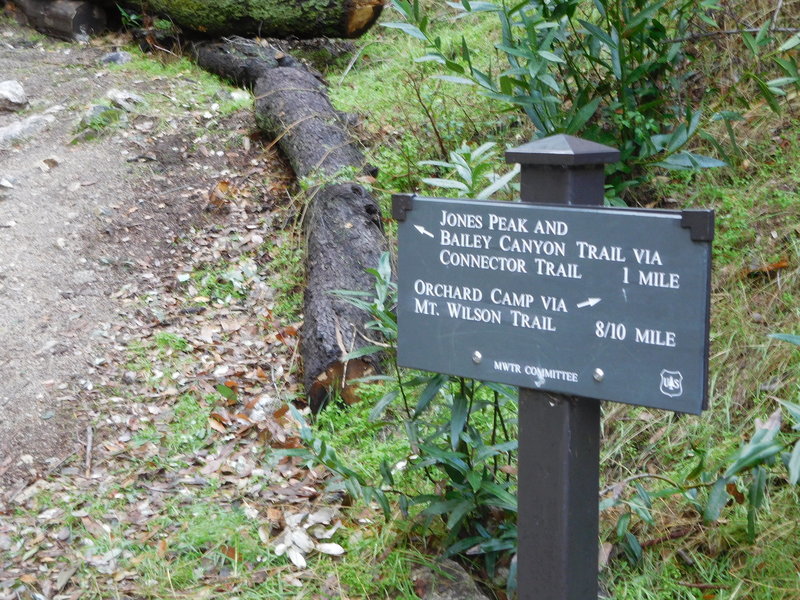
589	302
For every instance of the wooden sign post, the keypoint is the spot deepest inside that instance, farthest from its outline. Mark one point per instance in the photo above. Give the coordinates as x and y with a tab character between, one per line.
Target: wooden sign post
571	302
559	435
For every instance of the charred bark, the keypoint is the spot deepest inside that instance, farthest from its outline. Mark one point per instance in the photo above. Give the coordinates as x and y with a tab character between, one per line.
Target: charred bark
345	237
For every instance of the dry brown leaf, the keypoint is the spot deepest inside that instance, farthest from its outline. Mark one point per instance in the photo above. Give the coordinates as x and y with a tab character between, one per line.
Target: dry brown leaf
216	425
230	552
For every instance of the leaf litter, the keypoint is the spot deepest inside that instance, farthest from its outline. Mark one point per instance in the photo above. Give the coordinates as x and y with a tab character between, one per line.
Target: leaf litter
189	407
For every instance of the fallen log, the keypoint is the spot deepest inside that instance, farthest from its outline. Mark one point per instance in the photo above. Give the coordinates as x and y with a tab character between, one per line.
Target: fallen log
344	238
267	18
66	19
343	222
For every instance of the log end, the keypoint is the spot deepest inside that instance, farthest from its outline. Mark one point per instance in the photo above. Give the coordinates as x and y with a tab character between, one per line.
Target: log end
362	16
330	383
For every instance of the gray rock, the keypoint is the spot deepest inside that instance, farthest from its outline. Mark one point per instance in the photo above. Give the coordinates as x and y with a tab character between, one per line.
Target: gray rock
12	96
447	581
98	118
116	58
24	128
125	100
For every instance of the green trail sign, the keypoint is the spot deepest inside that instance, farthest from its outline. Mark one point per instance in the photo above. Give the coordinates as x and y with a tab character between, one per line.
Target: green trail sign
573	303
603	303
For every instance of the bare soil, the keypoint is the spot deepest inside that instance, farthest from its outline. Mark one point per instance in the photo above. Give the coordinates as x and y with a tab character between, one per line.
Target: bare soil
82	221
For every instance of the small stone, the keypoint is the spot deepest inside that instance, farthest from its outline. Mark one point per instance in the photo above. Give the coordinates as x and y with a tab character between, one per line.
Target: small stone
5	183
448	582
61	243
116	58
125	100
24	128
129	377
12	96
26	459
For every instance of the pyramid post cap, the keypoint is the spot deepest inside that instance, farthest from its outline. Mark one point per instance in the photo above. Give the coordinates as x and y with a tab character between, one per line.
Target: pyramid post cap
562	149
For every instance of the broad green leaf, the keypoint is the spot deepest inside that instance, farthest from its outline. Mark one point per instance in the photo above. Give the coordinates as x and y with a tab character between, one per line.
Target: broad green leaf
689	160
521	51
607	503
474	478
790	66
378	410
752	454
581	116
499	496
446	183
437	163
226	392
458	419
386	473
780	82
757	486
787	337
717	498
698	468
550	57
598	33
429	393
493	545
768	95
383	501
794	464
750	42
454	79
363	351
432	57
408	28
441	507
755	499
794	410
464	544
634	546
489	451
498	183
643	15
458	513
790	43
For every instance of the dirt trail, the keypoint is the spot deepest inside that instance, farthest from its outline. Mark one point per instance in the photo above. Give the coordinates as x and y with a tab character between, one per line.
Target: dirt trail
77	222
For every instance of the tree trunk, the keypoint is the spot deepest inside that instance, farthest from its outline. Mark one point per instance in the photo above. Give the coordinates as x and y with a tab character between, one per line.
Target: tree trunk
343	223
67	19
268	18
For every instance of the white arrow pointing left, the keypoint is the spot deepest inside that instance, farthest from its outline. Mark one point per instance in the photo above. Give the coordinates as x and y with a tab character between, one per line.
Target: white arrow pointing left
423	231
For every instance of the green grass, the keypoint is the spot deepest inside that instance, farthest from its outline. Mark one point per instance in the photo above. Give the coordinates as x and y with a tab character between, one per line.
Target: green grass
412	116
285	272
201	88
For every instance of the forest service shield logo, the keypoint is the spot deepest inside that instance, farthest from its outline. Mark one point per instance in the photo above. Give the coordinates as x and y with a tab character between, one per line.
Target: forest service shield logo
671	383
